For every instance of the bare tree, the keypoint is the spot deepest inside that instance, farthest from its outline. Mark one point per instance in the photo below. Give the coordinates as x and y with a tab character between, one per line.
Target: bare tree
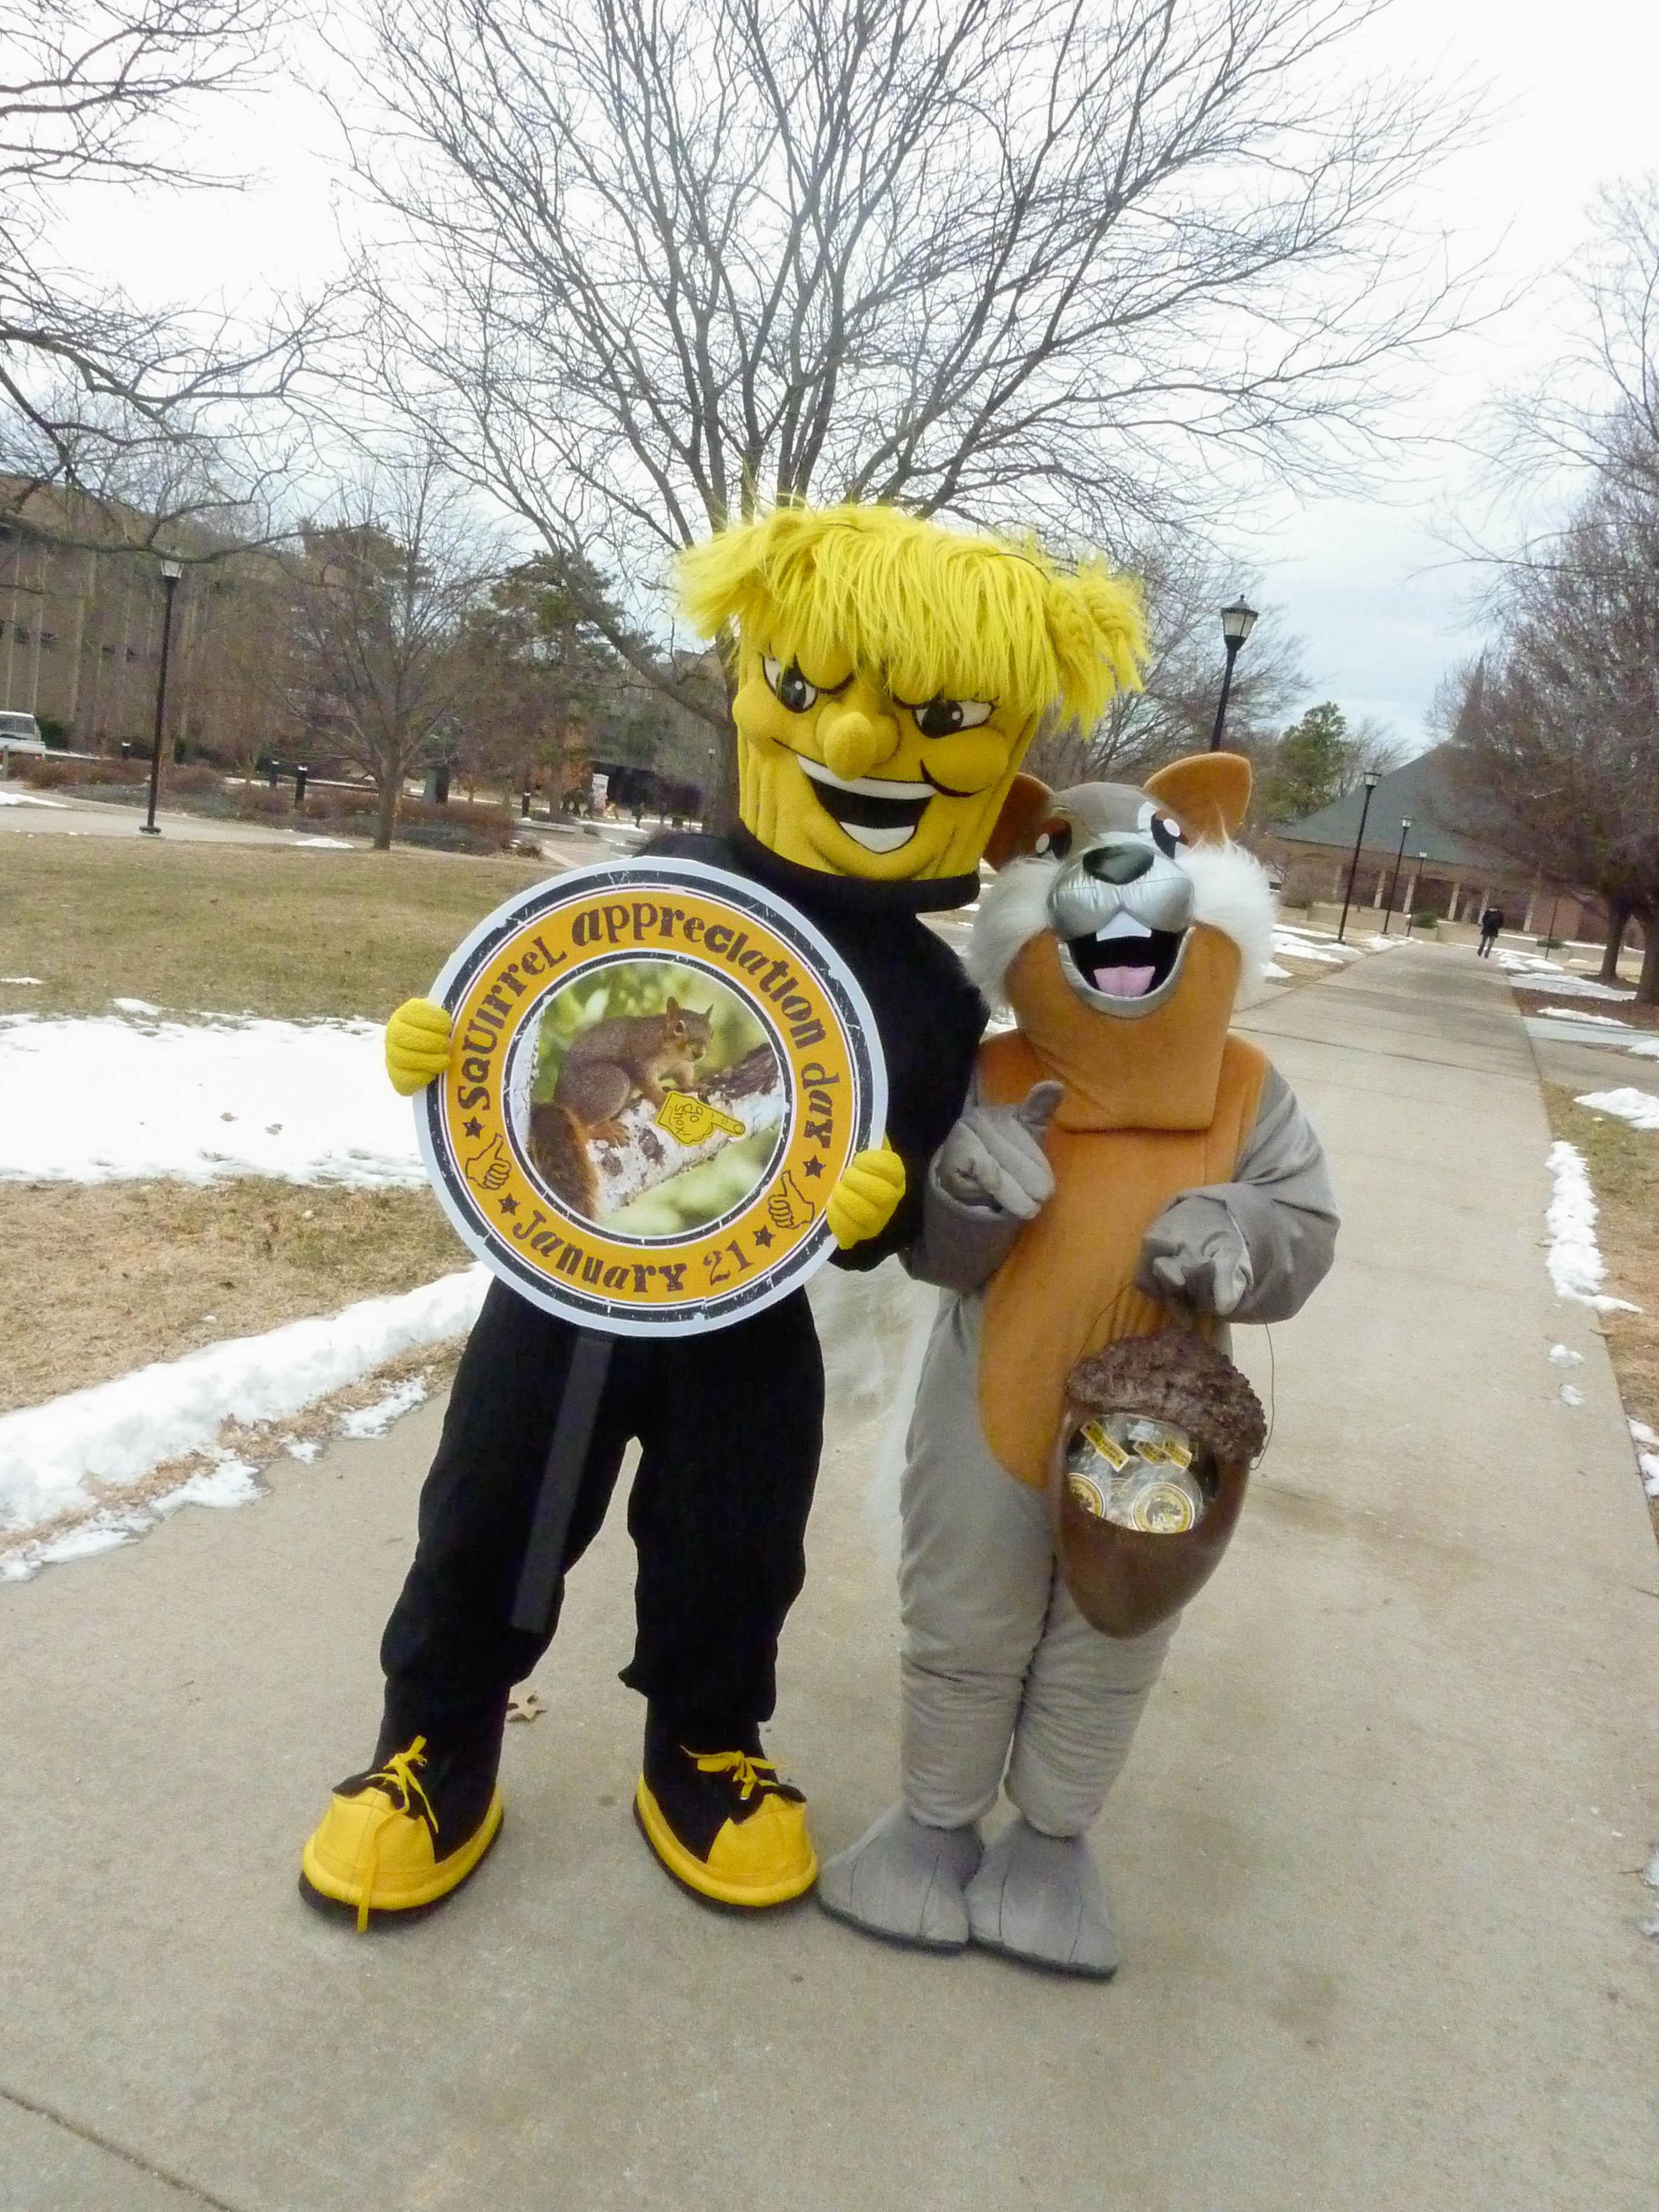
1557	726
100	395
645	265
1174	712
387	580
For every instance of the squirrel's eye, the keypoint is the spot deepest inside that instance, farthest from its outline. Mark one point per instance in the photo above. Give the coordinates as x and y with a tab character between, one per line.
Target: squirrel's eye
792	687
943	718
1166	832
1054	840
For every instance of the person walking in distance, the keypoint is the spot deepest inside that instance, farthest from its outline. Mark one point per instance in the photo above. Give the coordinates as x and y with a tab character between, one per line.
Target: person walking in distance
1492	921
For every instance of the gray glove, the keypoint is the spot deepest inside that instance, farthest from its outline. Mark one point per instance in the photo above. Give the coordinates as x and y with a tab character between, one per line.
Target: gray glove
1195	1251
994	1157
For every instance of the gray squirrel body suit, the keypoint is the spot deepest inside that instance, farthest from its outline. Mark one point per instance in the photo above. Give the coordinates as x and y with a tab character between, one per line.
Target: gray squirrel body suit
1004	1686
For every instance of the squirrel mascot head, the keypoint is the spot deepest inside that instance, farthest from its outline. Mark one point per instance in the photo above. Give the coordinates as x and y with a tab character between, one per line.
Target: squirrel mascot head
1121	928
891	674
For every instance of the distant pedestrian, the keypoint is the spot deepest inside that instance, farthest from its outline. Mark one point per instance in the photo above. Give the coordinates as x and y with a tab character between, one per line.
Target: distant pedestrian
1491	923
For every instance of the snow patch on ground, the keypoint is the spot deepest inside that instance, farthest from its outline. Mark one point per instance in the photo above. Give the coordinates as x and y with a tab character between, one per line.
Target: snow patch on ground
1572	1014
228	1482
1309	944
1639	1108
1647	1458
1571	1395
1574	1258
33	982
1554	977
1272	973
28	799
326	844
1561	1357
1648	1050
374	1420
307	1101
53	1457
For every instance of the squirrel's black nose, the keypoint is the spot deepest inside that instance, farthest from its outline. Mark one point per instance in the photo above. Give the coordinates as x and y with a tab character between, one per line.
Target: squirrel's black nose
1118	859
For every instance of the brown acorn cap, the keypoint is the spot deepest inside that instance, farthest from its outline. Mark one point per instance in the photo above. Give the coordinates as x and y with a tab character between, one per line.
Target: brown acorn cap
1175	1376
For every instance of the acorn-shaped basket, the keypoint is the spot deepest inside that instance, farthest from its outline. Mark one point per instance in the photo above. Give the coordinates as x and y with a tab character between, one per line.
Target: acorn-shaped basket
1148	1476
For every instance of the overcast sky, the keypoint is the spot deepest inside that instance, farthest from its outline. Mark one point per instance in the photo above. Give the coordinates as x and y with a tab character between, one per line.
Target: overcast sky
1366	583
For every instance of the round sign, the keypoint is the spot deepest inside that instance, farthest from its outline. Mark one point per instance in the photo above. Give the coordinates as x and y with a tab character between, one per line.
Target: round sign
659	1072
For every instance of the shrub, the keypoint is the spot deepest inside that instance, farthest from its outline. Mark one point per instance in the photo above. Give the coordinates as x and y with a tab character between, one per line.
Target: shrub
60	774
184	781
1424	920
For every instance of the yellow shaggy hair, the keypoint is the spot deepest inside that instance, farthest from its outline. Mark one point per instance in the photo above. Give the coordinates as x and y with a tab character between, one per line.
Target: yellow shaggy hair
934	612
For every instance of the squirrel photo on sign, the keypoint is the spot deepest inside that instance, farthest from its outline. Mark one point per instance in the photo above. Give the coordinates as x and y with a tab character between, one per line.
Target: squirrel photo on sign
657	1102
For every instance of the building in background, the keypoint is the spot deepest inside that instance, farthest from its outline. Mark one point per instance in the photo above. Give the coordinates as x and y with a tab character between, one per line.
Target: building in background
1446	870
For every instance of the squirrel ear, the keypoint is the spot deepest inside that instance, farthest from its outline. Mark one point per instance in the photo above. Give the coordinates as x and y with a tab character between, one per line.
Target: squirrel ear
672	1007
1209	792
1027	797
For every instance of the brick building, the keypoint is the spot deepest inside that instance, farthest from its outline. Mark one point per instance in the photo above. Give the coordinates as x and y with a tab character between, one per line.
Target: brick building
1444	870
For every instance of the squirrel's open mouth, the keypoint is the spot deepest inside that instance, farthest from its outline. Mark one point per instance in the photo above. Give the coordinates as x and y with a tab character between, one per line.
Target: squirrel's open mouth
876	812
1126	968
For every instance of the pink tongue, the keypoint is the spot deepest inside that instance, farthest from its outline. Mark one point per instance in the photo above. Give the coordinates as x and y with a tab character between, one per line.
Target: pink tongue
1124	983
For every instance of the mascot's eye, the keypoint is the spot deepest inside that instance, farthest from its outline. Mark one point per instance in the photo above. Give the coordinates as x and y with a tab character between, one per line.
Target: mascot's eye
792	687
943	718
1166	831
1054	840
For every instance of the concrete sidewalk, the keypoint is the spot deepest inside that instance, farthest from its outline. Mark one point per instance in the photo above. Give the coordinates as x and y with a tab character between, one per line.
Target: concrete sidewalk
1376	1855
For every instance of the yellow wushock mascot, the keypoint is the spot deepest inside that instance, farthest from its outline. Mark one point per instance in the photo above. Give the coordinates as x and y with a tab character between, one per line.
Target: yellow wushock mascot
889	676
1176	1172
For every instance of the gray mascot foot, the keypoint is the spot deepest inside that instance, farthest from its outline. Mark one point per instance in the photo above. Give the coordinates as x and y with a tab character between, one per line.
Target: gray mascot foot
1040	1898
904	1881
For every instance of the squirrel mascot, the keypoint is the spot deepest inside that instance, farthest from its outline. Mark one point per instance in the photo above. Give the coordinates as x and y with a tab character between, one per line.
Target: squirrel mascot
889	675
1123	1160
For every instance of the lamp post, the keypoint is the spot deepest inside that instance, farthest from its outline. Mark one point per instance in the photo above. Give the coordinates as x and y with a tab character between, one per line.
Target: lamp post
1422	863
1394	885
1372	779
171	572
1237	620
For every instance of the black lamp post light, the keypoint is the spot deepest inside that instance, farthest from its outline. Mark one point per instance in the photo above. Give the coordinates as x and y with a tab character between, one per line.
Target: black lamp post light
1394	885
1372	779
1237	620
171	572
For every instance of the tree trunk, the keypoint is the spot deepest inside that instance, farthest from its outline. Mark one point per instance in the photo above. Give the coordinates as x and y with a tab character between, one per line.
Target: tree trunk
1647	989
1618	923
720	790
388	816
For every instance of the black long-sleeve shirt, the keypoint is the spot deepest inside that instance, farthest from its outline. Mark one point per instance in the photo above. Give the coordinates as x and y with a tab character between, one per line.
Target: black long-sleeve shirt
929	1016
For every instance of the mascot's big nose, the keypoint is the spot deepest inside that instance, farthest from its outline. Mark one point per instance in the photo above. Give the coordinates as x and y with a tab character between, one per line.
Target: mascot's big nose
1119	860
853	743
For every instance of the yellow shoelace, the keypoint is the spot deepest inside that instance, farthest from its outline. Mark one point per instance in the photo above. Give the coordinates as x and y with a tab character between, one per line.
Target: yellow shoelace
745	1770
398	1773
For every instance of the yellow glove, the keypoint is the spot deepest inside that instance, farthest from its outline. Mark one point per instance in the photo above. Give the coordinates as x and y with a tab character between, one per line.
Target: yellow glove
417	1045
866	1198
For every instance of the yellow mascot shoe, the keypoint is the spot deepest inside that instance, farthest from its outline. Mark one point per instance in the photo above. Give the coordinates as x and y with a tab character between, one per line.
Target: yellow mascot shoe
722	1822
392	1841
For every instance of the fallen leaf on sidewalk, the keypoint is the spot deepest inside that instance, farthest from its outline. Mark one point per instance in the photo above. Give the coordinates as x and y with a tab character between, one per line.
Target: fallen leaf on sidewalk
525	1706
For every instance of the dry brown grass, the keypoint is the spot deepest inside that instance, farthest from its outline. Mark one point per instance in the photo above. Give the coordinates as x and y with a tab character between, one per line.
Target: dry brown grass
235	928
1623	1173
102	1278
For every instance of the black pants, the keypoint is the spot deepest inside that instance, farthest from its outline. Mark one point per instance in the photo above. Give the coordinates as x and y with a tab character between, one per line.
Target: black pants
1488	938
731	1424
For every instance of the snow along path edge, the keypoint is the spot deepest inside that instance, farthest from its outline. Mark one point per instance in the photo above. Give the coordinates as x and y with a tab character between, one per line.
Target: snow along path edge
1574	1258
117	1432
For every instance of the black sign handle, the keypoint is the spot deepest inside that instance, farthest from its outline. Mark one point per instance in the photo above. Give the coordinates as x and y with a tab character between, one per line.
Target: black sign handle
572	1431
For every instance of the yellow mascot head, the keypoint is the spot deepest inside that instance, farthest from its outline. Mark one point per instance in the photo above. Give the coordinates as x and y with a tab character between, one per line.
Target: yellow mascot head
891	674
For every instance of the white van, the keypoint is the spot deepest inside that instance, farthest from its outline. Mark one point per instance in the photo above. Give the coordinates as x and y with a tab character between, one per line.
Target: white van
20	733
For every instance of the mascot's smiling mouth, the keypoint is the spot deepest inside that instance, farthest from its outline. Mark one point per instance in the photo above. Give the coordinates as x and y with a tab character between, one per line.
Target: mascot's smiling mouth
1125	959
876	812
